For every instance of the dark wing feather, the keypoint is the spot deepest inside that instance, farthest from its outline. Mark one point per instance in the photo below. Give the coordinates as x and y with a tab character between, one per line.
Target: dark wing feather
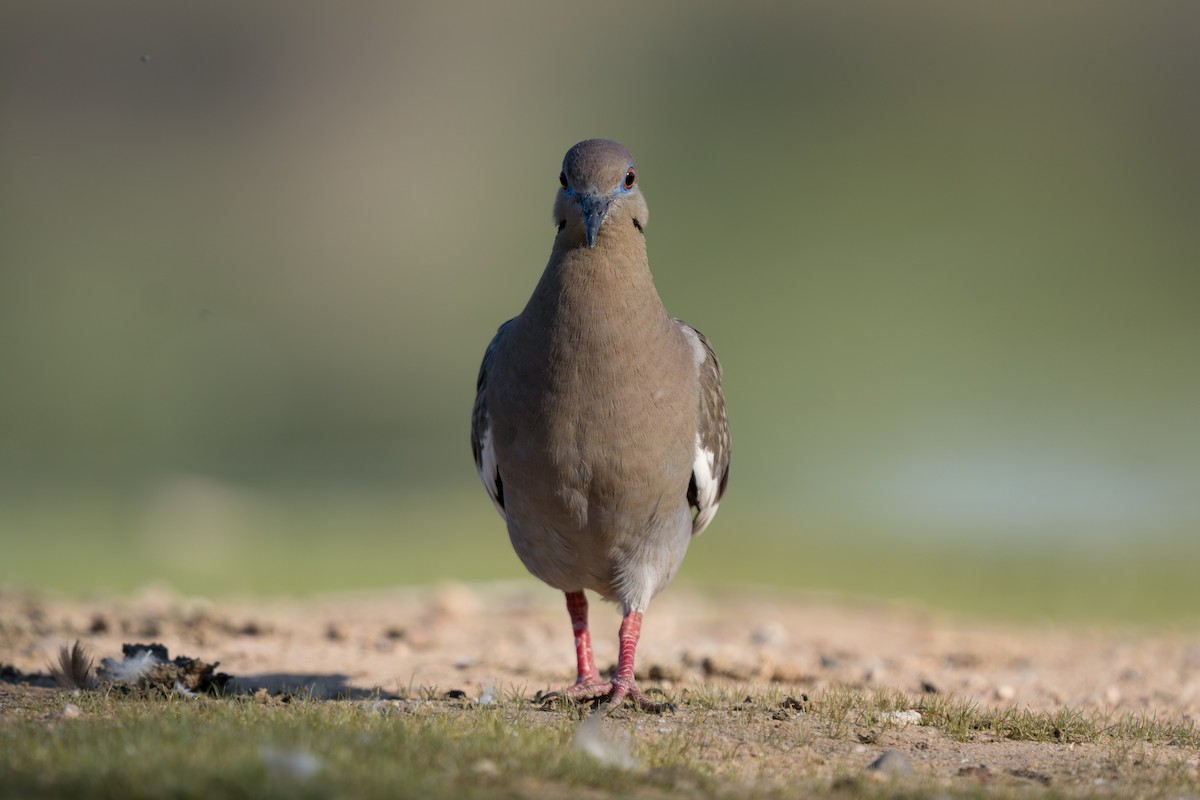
481	445
711	473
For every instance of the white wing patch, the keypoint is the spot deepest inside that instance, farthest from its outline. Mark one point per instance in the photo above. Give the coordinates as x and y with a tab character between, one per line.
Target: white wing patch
488	472
707	487
699	353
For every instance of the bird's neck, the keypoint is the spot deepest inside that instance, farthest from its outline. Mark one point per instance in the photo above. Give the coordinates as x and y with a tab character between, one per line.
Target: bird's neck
606	289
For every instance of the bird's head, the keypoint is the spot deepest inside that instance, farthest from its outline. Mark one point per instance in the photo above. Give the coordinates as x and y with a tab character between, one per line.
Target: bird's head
599	187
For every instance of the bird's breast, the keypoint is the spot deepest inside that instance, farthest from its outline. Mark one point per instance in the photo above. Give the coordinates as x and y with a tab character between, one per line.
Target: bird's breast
600	426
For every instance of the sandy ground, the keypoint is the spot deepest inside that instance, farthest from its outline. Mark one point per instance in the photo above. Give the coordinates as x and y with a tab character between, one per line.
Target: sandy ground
412	648
518	637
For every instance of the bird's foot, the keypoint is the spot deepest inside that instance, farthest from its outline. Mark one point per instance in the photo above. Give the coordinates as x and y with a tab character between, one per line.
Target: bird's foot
614	694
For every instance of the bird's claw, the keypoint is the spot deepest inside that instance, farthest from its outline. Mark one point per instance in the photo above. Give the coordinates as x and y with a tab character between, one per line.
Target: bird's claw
613	694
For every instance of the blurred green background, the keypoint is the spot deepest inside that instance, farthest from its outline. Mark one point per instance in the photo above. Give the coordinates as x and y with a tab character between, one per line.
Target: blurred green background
949	253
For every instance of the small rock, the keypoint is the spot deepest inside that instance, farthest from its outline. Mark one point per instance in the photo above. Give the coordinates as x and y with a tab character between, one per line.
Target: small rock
1005	692
394	633
71	711
928	688
892	763
1112	695
769	634
909	717
455	694
334	632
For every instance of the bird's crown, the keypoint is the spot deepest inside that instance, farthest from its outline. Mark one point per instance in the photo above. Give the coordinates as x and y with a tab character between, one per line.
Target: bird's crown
598	165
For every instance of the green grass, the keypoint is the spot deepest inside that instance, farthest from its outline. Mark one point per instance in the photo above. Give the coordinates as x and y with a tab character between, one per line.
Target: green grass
183	748
724	742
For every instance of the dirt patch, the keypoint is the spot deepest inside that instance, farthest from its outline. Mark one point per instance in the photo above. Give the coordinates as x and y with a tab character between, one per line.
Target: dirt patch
454	645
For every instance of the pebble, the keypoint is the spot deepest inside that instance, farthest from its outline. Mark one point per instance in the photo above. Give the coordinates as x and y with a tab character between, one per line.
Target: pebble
1005	692
909	717
892	762
769	634
71	711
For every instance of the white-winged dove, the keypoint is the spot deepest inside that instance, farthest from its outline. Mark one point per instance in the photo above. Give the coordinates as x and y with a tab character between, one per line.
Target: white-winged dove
599	426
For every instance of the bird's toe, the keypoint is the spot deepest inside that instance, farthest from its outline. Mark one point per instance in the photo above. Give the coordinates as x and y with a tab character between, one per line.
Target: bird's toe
613	694
580	692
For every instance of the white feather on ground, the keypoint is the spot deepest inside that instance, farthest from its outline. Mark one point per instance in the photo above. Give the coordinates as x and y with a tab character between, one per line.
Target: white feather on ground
132	668
594	739
295	764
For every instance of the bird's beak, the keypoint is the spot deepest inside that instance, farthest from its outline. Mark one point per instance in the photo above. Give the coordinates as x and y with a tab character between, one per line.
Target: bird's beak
595	209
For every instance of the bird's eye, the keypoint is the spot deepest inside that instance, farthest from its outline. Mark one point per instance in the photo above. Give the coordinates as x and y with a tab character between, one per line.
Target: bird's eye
562	178
630	178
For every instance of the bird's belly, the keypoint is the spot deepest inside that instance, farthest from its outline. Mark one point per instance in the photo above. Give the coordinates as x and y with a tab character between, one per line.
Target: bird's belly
580	518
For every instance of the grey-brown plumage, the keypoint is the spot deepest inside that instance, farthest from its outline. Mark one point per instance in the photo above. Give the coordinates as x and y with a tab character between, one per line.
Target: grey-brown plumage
599	425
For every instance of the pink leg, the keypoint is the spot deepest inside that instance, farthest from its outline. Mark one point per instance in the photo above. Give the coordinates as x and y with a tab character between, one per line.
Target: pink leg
577	607
623	684
588	685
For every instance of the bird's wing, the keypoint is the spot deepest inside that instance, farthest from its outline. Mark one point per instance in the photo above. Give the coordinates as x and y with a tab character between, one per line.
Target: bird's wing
481	429
710	471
